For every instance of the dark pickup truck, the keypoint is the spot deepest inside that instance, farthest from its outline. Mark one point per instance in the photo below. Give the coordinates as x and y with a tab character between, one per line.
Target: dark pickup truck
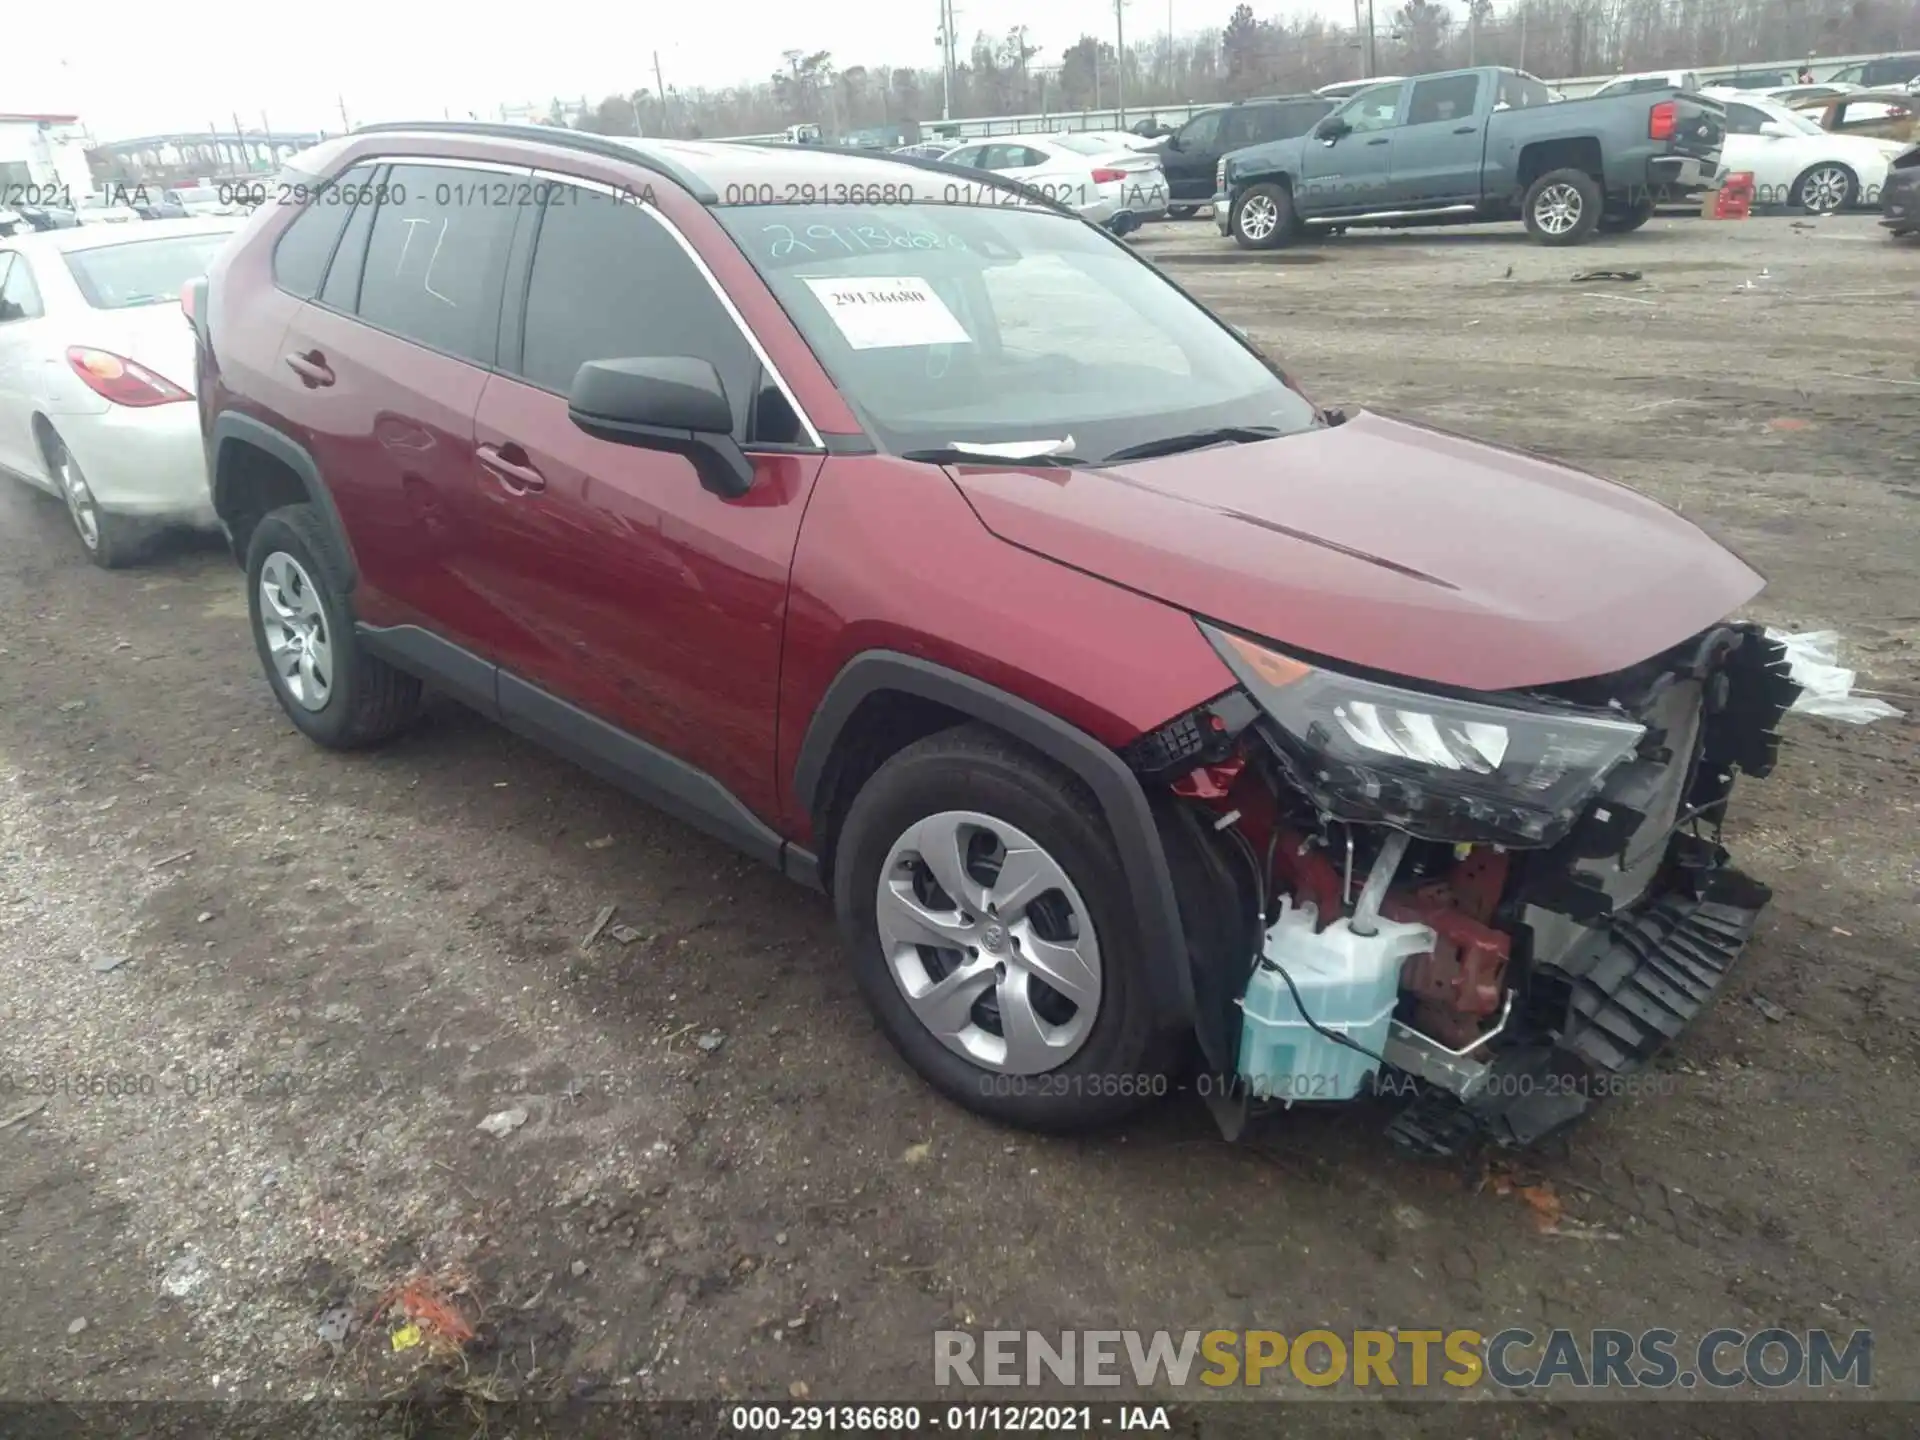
1468	146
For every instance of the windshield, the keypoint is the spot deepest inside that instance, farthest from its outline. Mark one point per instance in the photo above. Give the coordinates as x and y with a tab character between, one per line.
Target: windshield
988	324
145	272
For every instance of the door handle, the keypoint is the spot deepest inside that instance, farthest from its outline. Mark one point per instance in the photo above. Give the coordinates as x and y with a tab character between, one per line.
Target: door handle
312	368
1465	129
515	475
1384	139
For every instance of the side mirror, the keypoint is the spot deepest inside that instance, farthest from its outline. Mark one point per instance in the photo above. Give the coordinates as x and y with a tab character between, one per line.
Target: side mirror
1775	130
674	403
1332	128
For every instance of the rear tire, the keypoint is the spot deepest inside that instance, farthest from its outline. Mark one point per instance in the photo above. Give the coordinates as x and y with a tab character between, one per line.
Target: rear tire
1182	212
1263	217
1622	222
110	541
1562	207
1825	189
1050	900
336	693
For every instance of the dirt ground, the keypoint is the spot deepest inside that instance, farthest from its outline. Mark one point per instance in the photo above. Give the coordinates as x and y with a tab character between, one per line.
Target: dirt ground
726	1185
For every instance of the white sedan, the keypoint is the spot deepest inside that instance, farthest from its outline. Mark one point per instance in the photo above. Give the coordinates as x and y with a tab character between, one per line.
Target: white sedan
1111	187
1794	162
96	376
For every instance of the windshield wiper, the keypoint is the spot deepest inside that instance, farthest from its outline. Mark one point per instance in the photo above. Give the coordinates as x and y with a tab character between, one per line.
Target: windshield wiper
970	455
1194	440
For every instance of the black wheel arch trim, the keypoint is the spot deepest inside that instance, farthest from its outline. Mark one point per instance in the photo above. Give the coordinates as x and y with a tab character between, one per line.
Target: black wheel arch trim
1115	789
230	427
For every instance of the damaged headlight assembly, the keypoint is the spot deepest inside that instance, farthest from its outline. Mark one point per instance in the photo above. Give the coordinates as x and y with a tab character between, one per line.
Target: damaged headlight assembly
1440	767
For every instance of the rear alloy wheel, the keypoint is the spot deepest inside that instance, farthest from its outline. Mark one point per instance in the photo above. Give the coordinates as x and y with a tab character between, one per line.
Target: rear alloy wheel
1825	189
992	931
1263	217
1562	207
332	689
109	540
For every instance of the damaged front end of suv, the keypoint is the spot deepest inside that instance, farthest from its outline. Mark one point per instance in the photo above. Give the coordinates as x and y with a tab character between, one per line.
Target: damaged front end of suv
1490	905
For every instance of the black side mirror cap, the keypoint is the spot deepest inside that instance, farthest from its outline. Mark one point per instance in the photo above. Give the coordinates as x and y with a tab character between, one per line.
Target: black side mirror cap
674	403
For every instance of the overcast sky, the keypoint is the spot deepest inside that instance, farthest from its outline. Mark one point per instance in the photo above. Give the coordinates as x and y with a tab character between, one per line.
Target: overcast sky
130	69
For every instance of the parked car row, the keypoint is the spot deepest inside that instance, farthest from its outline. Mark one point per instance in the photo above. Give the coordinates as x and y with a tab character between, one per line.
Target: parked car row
121	204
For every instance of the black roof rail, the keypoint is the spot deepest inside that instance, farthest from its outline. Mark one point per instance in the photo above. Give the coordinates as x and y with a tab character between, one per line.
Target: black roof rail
605	146
938	167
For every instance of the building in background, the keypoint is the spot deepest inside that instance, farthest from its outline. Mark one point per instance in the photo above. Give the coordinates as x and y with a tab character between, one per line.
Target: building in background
43	151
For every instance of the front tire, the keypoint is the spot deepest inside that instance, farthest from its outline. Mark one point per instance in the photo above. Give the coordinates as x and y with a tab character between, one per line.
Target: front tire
991	929
1562	207
1825	189
1182	212
335	692
1263	217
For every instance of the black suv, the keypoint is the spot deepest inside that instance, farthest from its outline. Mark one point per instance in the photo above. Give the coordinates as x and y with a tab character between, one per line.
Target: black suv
1192	153
1888	72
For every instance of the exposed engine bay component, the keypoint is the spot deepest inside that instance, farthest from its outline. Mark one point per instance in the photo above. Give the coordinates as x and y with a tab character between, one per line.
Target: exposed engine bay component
1540	909
1454	1071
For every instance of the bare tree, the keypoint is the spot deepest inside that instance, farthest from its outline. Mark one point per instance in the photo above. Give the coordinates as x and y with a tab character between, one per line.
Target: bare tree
1249	54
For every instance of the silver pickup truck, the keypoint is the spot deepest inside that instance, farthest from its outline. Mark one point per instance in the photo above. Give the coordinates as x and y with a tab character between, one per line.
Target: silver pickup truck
1468	146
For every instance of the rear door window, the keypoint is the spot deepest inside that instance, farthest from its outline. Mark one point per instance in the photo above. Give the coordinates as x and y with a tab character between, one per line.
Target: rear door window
435	259
1446	97
1202	132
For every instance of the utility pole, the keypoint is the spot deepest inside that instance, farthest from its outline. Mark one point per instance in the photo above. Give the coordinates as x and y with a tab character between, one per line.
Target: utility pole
1359	50
1373	59
345	128
1120	61
660	89
946	59
1170	90
1523	40
1473	33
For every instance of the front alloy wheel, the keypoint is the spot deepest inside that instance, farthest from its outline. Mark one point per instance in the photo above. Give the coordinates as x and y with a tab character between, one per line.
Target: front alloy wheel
993	931
989	942
1259	218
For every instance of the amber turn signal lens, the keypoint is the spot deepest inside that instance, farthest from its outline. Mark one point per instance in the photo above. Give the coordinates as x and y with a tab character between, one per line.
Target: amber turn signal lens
1276	670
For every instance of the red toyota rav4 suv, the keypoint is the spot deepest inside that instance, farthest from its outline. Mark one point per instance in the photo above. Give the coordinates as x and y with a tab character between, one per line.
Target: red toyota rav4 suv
924	541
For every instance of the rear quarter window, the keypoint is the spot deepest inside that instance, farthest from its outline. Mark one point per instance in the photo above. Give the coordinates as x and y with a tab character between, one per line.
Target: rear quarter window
300	257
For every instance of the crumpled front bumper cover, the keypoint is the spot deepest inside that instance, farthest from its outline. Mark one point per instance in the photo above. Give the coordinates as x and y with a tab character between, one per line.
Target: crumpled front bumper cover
1662	964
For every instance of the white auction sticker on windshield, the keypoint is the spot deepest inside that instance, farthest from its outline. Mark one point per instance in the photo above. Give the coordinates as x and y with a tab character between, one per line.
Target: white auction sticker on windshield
878	312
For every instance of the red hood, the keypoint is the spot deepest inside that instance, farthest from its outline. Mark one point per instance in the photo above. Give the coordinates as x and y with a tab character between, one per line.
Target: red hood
1387	545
